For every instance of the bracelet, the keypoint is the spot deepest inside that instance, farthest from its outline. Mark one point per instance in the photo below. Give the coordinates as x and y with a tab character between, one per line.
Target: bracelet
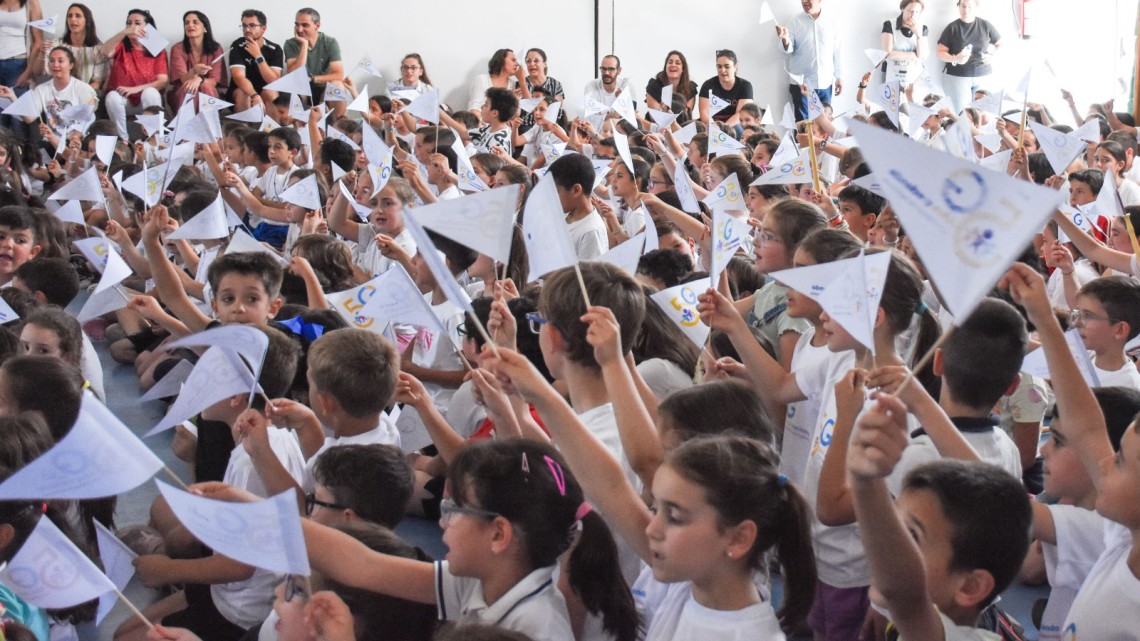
862	86
1065	273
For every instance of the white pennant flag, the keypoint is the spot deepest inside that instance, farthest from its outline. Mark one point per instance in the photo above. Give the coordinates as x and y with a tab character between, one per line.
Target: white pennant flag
171	384
997	162
887	95
242	242
350	303
1108	204
852	299
360	103
425	106
684	189
153	41
110	264
85	186
792	172
548	243
726	196
152	123
1035	364
98	457
876	56
105	148
26	106
966	223
219	374
722	143
404	95
667	98
729	234
469	181
680	304
717	104
814	104
368	66
621	142
810	280
104	302
380	174
336	134
625	256
871	183
207	224
685	134
333	93
960	141
254	114
297	109
205	128
361	211
786	152
1060	149
398	300
148	185
766	14
991	103
594	107
47	25
623	106
71	212
662	118
304	193
437	264
1089	132
7	314
51	573
212	103
118	565
248	342
788	120
265	534
374	147
766	119
796	78
484	222
295	82
528	104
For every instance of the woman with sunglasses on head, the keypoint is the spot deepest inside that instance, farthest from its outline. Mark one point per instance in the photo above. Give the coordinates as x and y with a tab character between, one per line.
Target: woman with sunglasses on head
727	87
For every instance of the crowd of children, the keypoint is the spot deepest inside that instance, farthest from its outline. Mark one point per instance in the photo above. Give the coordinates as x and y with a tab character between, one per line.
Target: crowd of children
597	473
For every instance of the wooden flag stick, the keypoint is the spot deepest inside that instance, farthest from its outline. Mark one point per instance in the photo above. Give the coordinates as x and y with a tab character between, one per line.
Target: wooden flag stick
582	284
174	477
925	360
811	155
133	609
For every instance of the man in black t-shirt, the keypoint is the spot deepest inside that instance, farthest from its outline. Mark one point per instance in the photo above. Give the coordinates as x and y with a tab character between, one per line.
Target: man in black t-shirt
254	63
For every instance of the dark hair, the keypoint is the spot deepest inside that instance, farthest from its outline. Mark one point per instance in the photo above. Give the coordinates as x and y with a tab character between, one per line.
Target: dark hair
528	341
257	264
287	135
330	259
55	277
738	409
498	61
902	299
794	219
149	19
51	234
541	54
1116	150
423	68
503	102
90	38
27	378
479	632
608	286
258	143
829	245
311	12
26	438
668	266
280	366
436	136
337	152
1124	139
209	44
990	534
1040	167
982	356
20	218
866	200
65	326
882	120
660	337
356	367
726	53
459	257
741	480
254	13
70	56
21	302
515	479
683	82
374	481
1120	296
573	169
734	164
1119	405
1094	178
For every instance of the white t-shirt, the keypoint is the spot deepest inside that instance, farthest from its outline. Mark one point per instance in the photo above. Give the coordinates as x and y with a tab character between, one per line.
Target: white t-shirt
1126	376
463	414
384	434
272	184
1129	193
451	193
1111	591
241	473
596	90
1080	542
1056	288
535	138
993	446
589	236
438	352
670	613
809	365
53	102
371	260
602	423
663	377
533	606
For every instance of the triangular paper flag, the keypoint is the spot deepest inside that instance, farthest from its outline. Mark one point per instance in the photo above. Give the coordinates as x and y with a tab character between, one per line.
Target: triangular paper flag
547	240
667	97
295	82
7	314
1060	149
368	66
991	103
623	106
871	183
595	107
171	384
552	112
887	95
726	196
375	148
350	303
680	304
469	181
814	104
153	41
684	189
47	25
992	142
621	142
398	300
796	78
852	299
336	134
303	193
786	152
219	374
662	118
149	185
528	104
297	109
484	222
810	280
967	224
1108	204
722	143
766	14
265	534
360	103
717	104
729	233
425	106
877	56
766	119
685	134
51	573
334	93
104	302
437	264
254	114
71	212
626	255
151	123
98	457
118	565
207	224
212	103
997	162
1089	132
788	120
1035	364
793	172
248	342
960	141
26	106
105	148
112	266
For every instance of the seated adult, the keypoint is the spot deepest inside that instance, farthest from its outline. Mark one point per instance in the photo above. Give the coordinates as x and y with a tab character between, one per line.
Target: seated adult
728	87
137	78
675	74
195	64
504	72
318	53
254	63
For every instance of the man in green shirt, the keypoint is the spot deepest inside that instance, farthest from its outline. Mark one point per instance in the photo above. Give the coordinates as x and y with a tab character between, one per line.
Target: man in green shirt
318	53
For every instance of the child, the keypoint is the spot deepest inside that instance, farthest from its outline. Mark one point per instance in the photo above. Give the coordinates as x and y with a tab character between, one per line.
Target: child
860	208
544	132
23	380
50	331
573	176
384	231
508	518
1107	315
18	243
283	142
345	483
498	109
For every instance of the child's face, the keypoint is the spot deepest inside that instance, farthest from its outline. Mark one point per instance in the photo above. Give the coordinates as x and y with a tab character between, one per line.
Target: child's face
387	215
17	246
321	513
923	517
279	153
232	149
1105	162
686	540
1080	193
241	298
488	114
838	340
748	120
40	341
425	280
622	182
481	172
467	537
769	248
1119	496
761	157
290	608
1065	475
802	305
857	221
677	243
1099	332
1118	236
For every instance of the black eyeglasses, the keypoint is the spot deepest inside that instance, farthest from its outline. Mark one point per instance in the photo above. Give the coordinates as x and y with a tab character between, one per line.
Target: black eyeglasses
607	69
295	585
311	503
250	27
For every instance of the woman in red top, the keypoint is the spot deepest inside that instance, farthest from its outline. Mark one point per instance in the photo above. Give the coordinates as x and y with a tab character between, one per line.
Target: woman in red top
137	78
196	65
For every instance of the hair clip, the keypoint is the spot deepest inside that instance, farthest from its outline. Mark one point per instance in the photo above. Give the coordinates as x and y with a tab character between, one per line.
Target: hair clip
556	472
583	509
781	480
921	308
525	463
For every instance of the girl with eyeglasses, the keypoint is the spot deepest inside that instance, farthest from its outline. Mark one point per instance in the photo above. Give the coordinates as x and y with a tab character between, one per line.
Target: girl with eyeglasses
413	76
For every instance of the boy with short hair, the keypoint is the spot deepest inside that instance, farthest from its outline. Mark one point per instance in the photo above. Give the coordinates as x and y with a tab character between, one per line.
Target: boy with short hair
360	482
51	280
1107	315
860	208
573	176
498	109
18	242
284	142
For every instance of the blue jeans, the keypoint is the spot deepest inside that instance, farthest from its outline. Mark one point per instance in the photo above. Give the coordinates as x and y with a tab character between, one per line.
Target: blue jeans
799	102
10	71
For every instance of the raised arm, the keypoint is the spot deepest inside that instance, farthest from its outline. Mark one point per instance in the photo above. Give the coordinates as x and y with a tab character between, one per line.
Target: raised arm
350	562
165	274
1091	249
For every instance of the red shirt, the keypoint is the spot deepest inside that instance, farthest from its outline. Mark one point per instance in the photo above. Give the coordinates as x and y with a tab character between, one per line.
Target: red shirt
135	67
486	429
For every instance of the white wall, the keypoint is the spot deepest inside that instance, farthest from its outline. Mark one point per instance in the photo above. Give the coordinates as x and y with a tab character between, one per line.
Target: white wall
1089	43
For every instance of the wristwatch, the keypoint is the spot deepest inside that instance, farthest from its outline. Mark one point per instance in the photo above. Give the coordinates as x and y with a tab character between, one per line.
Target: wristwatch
258	60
